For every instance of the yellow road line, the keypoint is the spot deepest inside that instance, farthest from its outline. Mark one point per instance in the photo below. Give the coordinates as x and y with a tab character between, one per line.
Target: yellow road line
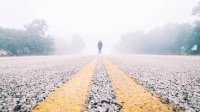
132	96
72	96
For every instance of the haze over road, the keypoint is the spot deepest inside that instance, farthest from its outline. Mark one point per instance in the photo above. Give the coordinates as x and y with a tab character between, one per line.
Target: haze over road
108	83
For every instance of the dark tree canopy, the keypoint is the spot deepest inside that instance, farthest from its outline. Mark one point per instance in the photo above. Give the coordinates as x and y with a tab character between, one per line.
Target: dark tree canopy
32	40
170	39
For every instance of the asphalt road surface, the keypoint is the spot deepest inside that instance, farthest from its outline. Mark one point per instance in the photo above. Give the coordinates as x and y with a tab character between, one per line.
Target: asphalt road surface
176	78
140	83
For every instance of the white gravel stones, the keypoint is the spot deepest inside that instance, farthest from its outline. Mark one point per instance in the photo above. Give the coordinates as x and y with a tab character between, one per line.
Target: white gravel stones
102	96
174	77
25	81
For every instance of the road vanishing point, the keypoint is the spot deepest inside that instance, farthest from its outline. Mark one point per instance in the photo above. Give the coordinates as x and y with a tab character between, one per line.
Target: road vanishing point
123	83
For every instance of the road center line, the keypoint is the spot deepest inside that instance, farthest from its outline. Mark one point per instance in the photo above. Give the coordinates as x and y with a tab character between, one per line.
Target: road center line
132	96
102	96
72	96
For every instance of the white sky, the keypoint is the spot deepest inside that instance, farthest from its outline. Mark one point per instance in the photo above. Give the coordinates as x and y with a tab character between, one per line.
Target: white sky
96	19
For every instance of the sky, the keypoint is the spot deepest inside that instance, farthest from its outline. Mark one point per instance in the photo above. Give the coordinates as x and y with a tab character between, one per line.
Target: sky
95	20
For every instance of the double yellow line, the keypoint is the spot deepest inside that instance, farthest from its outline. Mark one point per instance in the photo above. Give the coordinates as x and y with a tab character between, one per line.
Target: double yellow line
72	96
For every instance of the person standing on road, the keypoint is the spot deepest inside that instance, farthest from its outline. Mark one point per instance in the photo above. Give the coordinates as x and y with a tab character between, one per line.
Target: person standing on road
99	45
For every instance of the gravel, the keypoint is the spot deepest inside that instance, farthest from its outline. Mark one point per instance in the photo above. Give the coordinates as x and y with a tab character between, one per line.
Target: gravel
102	96
176	78
25	81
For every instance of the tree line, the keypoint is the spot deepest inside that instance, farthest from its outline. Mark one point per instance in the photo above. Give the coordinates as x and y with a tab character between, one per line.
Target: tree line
172	38
31	40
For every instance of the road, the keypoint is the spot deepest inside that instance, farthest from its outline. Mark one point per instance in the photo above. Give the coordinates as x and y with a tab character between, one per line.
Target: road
140	83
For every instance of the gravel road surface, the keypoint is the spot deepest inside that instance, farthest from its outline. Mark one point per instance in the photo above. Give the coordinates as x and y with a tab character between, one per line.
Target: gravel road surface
176	78
102	96
25	81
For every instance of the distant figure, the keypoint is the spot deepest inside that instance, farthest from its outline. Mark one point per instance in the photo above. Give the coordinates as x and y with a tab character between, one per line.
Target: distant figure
99	45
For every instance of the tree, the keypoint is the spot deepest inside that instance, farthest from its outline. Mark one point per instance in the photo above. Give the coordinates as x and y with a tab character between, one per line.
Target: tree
196	10
37	28
170	39
195	39
32	40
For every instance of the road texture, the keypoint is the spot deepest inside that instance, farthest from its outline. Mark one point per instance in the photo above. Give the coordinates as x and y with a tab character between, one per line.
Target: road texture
176	78
127	83
25	81
132	96
72	95
102	96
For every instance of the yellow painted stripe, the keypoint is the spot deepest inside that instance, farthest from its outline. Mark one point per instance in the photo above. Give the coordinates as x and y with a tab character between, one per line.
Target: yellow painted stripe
132	96
72	96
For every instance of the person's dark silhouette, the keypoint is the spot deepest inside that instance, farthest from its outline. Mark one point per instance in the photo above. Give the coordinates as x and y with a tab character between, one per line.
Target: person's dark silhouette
99	45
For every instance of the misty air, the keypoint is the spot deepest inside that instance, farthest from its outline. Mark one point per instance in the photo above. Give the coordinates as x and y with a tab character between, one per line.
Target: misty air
99	56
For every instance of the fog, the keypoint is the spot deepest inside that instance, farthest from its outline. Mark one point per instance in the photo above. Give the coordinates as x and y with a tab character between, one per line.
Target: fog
122	25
